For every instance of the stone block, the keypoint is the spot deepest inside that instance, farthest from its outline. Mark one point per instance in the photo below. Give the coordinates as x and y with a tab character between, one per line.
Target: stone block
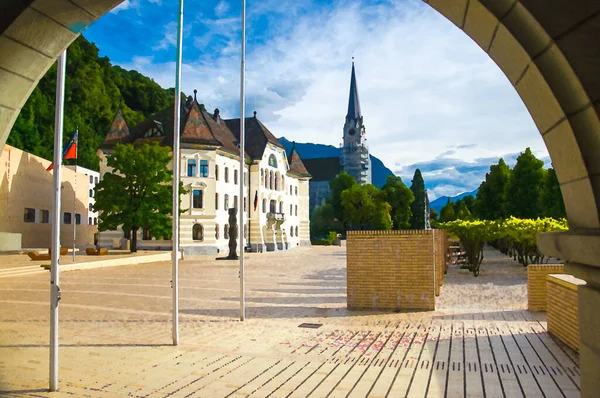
565	153
580	203
71	16
526	30
586	125
453	10
22	60
480	24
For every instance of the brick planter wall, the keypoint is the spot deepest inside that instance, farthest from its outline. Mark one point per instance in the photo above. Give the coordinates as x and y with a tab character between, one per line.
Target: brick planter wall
562	308
394	270
536	284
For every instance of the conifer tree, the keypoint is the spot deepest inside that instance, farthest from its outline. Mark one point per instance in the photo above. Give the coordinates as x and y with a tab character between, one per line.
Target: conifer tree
524	184
551	200
400	198
489	202
417	207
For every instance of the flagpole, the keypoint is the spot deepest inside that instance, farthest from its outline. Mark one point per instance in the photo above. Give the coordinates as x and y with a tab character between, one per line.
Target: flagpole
242	160
54	267
176	161
75	196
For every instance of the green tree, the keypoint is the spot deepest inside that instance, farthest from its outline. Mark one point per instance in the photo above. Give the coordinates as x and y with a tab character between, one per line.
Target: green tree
462	211
551	200
365	208
417	207
400	197
448	213
93	92
138	193
524	185
489	202
340	183
434	217
322	221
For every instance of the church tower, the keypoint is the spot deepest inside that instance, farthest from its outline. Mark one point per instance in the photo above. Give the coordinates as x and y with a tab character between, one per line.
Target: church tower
355	158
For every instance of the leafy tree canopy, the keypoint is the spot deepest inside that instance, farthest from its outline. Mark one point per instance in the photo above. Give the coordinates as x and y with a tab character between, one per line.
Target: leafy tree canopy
340	183
94	90
400	197
524	185
489	204
365	208
448	213
138	193
551	200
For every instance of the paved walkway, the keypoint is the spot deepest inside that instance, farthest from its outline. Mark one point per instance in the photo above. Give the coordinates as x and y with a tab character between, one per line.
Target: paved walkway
115	334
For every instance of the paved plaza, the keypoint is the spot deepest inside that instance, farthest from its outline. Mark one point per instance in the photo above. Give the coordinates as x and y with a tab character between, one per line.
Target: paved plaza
115	334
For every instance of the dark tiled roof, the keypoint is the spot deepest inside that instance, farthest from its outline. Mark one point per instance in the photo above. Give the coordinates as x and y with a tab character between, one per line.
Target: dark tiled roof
296	165
196	129
323	169
119	131
257	136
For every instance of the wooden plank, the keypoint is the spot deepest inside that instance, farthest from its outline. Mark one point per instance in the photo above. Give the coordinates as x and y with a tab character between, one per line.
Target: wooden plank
473	377
252	377
527	379
548	360
421	377
298	379
439	370
503	366
566	362
401	383
544	376
491	379
455	381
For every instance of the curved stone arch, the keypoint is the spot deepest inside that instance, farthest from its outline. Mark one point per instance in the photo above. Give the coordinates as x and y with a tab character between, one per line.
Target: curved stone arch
535	64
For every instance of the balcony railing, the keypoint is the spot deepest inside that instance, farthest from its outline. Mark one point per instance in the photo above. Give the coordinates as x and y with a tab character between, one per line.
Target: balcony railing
271	216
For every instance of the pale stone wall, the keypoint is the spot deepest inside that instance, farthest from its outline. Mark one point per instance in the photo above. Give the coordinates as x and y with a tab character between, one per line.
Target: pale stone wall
26	184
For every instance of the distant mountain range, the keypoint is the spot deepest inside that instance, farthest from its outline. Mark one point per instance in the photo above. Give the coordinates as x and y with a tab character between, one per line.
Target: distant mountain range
442	200
309	151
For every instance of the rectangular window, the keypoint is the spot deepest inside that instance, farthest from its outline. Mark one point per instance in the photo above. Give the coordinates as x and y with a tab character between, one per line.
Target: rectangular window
90	207
244	204
204	168
216	201
235	176
216	172
91	179
44	216
191	171
95	220
226	202
77	218
29	215
226	174
66	218
296	210
197	199
89	220
91	193
235	202
96	180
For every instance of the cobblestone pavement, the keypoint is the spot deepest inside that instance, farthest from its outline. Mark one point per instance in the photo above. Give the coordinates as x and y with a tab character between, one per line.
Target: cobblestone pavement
115	334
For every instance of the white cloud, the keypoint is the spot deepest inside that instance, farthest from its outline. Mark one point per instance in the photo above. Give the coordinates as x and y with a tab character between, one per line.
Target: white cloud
221	8
424	85
125	5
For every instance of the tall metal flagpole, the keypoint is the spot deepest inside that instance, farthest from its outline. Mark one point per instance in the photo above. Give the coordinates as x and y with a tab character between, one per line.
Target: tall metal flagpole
75	195
242	160
176	161
54	274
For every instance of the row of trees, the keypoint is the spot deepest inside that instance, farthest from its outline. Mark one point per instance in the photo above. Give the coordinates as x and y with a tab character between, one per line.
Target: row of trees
513	236
526	191
353	206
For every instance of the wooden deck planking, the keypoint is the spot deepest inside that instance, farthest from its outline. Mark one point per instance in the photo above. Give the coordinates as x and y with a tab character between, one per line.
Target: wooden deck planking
456	377
422	375
472	368
400	384
439	371
491	379
504	369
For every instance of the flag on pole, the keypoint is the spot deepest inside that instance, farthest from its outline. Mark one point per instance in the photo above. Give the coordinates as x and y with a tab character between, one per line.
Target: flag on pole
255	200
70	151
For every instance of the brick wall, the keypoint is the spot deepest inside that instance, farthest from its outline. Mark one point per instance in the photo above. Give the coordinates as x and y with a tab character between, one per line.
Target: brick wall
441	258
394	270
536	284
562	308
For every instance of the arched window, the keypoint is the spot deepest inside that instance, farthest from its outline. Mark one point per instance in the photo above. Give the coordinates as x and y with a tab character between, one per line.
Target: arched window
226	231
89	220
272	182
235	177
244	204
226	174
264	206
296	190
217	172
216	231
245	231
290	210
296	232
262	176
235	202
226	202
281	207
267	179
290	189
198	232
296	210
276	183
292	231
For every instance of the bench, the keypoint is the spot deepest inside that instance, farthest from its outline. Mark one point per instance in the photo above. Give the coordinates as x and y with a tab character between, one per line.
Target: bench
90	251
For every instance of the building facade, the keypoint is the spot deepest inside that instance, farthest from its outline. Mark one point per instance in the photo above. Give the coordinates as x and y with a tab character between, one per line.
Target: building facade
276	184
91	179
26	201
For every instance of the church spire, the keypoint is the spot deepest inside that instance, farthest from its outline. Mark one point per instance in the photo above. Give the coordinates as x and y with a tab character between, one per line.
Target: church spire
353	102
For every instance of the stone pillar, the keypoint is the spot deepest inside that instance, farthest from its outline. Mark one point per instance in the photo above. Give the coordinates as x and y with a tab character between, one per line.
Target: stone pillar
580	249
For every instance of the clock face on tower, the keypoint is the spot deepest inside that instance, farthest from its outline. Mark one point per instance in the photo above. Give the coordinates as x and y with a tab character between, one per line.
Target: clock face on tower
351	132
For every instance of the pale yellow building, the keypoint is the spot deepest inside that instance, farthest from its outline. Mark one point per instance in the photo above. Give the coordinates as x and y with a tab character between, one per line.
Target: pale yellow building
26	202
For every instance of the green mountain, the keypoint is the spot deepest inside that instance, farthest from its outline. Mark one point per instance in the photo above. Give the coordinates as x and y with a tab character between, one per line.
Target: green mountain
94	89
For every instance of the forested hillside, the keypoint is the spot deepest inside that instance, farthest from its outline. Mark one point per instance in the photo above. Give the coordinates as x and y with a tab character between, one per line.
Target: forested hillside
94	89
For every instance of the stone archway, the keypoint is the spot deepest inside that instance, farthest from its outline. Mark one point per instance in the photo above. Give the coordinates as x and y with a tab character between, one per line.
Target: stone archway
547	48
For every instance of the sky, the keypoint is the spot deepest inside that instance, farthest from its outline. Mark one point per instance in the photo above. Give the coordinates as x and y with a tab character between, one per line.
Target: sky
430	97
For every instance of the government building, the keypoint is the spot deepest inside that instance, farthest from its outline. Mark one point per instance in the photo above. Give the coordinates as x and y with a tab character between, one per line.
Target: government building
276	183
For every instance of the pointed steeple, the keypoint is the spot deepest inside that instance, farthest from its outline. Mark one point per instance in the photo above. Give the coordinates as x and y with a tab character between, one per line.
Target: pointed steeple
353	102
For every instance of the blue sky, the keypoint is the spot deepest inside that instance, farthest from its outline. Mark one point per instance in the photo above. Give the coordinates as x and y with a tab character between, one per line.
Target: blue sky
430	97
